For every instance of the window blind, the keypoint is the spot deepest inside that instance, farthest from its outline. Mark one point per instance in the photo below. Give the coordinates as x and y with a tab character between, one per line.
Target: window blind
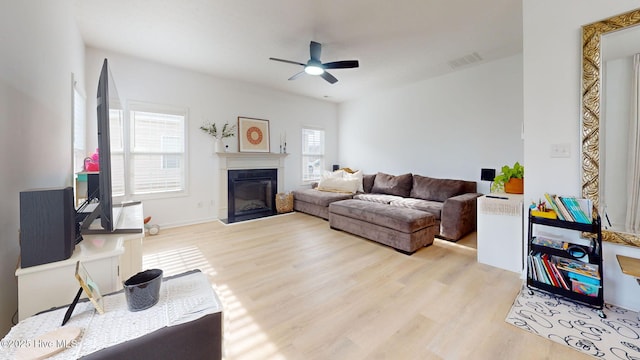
312	154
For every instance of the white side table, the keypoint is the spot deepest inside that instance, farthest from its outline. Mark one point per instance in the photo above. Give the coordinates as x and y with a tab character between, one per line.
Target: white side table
54	284
500	231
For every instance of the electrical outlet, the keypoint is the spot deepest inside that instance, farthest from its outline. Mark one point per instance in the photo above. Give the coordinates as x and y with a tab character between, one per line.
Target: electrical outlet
560	150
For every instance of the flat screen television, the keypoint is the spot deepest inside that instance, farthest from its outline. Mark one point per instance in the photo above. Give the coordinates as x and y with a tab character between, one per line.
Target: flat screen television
107	102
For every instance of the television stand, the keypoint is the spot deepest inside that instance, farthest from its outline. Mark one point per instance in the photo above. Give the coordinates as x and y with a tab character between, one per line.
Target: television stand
130	228
42	287
125	220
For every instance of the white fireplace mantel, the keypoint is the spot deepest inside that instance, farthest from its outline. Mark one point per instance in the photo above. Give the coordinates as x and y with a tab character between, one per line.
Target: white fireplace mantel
239	161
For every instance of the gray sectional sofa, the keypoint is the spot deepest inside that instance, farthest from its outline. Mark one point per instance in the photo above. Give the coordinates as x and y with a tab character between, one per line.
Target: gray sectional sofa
403	211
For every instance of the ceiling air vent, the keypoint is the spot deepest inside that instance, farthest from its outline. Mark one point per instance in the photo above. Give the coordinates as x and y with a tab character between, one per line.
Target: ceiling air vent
465	60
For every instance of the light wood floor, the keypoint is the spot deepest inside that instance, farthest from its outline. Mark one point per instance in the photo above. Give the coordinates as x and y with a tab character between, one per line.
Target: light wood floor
292	288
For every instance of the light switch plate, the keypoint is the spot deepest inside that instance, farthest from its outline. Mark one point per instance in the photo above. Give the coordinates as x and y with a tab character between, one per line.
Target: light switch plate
560	150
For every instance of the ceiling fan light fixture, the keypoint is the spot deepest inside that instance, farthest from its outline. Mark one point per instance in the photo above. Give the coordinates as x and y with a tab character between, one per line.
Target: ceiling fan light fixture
316	67
313	70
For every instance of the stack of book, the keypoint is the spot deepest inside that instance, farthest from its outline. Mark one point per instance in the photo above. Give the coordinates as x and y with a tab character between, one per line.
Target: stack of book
585	277
542	269
577	276
569	208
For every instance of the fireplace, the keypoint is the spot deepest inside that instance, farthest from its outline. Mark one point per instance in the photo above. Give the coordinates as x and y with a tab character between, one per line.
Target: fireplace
229	161
251	193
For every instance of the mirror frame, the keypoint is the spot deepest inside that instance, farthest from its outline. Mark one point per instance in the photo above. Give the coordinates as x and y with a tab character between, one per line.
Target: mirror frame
591	91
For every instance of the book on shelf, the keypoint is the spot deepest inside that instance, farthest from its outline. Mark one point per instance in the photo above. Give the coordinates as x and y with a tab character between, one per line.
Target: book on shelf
542	269
553	205
549	272
559	276
534	269
584	279
585	289
578	267
570	208
587	207
575	210
531	272
563	210
538	268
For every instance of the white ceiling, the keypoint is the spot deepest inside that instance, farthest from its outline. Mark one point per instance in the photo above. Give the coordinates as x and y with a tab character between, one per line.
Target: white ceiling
396	42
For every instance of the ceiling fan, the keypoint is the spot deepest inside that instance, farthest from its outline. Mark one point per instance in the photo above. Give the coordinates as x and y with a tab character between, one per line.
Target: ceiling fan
315	67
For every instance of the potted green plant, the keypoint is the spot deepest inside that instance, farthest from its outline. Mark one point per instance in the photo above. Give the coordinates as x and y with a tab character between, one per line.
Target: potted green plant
212	129
511	179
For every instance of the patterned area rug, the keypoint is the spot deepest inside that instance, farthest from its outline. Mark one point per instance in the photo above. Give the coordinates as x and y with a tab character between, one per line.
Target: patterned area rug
580	327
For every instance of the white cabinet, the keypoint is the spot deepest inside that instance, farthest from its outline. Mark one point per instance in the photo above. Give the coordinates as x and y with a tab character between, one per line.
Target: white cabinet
54	284
500	231
131	218
109	259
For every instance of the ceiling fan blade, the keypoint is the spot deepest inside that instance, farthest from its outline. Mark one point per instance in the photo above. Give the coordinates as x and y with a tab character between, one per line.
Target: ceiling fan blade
315	49
297	75
330	78
345	64
287	61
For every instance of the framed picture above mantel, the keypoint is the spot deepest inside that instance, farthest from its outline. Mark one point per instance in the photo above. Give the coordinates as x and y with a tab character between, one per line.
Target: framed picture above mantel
253	135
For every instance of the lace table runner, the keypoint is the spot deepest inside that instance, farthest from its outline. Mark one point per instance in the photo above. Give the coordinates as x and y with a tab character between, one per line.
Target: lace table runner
182	299
504	205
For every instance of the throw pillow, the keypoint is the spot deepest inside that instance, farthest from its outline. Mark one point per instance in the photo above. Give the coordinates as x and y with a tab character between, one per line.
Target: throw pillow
355	175
367	182
340	185
427	188
338	174
399	185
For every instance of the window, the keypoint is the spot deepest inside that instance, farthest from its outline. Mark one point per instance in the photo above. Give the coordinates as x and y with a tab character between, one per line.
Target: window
116	142
157	152
79	132
168	144
312	154
152	156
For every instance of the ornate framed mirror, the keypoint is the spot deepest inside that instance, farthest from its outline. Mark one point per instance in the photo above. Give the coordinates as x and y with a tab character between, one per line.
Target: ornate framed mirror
593	121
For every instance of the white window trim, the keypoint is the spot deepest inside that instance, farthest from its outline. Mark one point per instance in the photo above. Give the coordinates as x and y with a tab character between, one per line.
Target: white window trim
136	105
302	154
79	123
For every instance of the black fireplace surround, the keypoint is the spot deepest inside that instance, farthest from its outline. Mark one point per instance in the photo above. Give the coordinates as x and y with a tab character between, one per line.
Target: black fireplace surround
251	194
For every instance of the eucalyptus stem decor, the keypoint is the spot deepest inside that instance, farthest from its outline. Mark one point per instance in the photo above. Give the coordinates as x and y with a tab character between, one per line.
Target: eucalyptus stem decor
212	129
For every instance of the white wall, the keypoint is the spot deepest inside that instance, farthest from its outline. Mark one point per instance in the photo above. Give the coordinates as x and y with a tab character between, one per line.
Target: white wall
552	78
210	99
449	127
41	48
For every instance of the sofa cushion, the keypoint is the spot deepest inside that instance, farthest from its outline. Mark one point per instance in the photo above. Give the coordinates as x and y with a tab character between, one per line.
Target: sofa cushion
317	197
355	175
399	185
403	220
367	182
433	207
427	188
340	185
339	174
377	198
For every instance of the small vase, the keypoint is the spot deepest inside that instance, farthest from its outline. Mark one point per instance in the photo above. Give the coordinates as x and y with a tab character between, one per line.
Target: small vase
514	186
219	145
